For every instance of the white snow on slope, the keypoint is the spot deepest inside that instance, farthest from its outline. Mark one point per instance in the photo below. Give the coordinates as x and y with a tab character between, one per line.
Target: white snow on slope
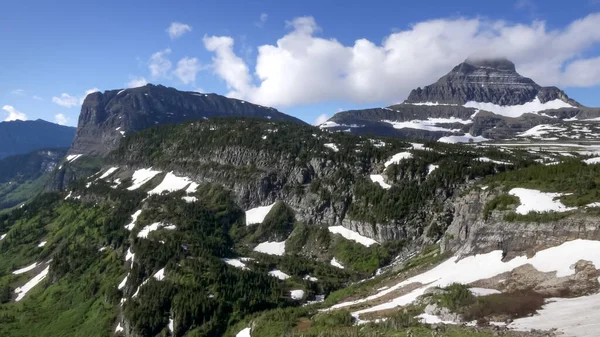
332	146
192	188
257	214
25	269
432	319
559	259
576	317
593	204
417	146
244	333
235	263
397	158
483	291
171	183
352	235
431	168
153	227
310	278
134	217
488	160
42	244
160	275
170	325
130	256
119	328
466	138
336	264
536	201
271	248
378	178
22	291
518	110
540	130
123	283
72	157
279	274
2	236
590	161
189	199
431	103
297	294
418	124
108	172
140	177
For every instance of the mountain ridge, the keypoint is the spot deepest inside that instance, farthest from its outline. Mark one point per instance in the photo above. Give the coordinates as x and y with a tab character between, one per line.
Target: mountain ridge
19	137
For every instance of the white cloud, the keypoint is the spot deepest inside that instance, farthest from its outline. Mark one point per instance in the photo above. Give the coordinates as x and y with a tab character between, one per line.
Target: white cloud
177	29
302	68
321	119
37	98
87	92
19	92
66	100
135	82
13	114
61	119
159	64
186	70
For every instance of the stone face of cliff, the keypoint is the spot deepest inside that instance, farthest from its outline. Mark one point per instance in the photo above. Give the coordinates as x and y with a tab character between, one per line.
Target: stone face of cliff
109	116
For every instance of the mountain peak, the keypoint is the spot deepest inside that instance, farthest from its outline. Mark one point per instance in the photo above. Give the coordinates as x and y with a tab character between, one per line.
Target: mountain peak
498	63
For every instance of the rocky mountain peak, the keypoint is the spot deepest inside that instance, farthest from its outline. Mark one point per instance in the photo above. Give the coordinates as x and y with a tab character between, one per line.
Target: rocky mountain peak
500	64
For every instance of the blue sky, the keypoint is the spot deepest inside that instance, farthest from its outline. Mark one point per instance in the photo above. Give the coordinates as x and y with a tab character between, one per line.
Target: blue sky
310	63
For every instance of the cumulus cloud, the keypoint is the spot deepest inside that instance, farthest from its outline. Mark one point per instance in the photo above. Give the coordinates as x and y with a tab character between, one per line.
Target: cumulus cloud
37	98
177	29
186	70
19	92
303	68
159	64
61	119
65	100
13	114
321	119
135	82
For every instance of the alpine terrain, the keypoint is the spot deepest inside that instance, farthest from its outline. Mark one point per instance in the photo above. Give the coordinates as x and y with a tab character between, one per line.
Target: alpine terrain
479	100
19	137
187	214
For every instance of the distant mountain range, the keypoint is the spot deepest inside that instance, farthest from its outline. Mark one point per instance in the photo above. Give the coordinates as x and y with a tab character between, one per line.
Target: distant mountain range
478	100
109	116
17	137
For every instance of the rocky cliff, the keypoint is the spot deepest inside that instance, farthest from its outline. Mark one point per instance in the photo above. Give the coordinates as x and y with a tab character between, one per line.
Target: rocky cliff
109	116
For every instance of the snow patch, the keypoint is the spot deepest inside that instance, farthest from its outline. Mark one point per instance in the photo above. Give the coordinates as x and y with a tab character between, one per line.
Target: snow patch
153	227
397	158
590	161
72	157
431	168
378	178
297	294
235	263
352	235
310	278
142	176
483	291
540	130
332	146
123	283
336	264
160	275
134	217
536	201
42	244
190	199
271	248
119	328
257	214
244	333
418	124
22	291
518	110
466	138
279	274
488	160
2	237
108	172
25	269
171	183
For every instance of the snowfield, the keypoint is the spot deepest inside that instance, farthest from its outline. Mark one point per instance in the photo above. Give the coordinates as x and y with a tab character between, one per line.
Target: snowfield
171	183
466	138
397	158
279	274
257	214
483	291
419	125
378	178
332	147
518	110
536	201
235	263
558	259
432	168
108	172
577	317
590	161
352	235
22	291
271	248
123	283
297	294
160	275
140	177
540	130
244	333
73	157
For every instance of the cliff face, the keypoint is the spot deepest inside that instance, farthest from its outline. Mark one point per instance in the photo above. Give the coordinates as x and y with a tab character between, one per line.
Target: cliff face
108	117
469	233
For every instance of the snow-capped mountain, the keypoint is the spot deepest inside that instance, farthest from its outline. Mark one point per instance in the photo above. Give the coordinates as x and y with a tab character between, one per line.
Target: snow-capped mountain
478	100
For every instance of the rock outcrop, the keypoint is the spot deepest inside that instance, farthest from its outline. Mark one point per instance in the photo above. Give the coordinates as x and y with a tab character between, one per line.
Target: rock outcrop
108	117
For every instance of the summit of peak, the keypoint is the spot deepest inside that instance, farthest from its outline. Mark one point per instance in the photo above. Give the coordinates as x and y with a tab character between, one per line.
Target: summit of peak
499	63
